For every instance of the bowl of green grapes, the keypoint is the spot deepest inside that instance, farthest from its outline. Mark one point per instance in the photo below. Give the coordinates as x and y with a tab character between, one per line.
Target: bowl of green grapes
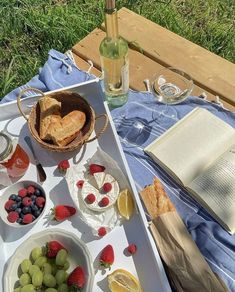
51	260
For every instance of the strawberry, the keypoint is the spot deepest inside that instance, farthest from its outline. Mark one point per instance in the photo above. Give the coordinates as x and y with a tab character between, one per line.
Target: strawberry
31	190
28	218
40	202
8	205
22	193
77	278
104	202
102	231
96	168
63	166
12	216
26	201
107	256
132	248
80	183
62	212
90	198
52	248
107	187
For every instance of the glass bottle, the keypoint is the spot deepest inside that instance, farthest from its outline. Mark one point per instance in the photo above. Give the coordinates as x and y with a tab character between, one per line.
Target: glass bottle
114	59
14	159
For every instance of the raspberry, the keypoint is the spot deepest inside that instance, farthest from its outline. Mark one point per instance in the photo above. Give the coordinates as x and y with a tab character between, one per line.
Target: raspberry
102	231
26	201
8	205
107	187
90	198
28	218
104	202
22	193
31	190
132	248
63	166
12	216
40	202
80	183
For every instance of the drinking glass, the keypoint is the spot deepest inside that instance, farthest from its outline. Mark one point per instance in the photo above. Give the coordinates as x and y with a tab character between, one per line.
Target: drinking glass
171	86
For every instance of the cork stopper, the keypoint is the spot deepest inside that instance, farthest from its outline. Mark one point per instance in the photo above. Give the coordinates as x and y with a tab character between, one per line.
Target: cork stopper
110	4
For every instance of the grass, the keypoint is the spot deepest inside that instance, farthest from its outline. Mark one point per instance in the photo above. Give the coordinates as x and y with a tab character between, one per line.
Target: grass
30	28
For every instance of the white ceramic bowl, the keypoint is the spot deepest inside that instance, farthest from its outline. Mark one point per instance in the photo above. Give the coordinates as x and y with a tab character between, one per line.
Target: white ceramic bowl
77	250
13	189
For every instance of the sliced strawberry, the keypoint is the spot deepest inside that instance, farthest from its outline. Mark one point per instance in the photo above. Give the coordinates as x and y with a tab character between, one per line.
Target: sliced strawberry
62	212
107	256
52	248
77	278
96	168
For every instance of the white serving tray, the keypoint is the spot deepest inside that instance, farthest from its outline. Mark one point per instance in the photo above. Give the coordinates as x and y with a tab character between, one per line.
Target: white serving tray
146	264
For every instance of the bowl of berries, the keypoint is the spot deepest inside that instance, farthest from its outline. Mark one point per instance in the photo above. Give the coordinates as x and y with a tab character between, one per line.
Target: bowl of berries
51	260
22	203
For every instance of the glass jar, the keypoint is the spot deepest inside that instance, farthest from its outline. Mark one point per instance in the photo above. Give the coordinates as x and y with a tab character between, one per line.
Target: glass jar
12	157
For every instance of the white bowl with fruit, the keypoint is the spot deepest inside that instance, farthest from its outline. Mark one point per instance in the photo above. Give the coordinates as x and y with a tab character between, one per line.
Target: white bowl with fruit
22	204
53	258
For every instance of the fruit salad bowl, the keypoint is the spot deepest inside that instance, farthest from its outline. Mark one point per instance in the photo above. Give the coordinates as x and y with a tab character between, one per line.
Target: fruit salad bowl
23	204
78	255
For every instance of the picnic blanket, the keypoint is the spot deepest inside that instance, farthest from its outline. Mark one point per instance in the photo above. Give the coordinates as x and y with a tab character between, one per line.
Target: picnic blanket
216	245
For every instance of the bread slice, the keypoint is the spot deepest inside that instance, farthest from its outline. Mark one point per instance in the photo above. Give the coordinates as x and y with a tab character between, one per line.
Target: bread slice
49	112
66	129
156	200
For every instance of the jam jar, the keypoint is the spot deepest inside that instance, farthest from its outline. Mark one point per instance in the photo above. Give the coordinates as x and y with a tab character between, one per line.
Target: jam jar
12	156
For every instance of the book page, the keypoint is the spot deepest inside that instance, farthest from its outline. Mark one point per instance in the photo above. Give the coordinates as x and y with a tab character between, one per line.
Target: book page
216	187
192	144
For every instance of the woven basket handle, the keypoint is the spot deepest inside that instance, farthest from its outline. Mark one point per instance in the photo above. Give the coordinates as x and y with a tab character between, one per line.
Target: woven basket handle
106	120
20	95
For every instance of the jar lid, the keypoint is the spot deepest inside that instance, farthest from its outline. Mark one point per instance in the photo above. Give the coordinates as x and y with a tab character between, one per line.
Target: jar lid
5	146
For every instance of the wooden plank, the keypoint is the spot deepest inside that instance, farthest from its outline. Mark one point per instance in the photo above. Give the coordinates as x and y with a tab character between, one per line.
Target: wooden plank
141	67
209	71
84	65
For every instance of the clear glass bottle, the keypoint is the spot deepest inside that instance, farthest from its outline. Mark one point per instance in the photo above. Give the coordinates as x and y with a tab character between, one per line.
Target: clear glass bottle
114	59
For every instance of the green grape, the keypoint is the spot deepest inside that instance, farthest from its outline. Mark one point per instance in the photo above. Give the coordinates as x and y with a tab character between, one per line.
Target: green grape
54	269
49	280
63	288
60	276
66	266
40	261
51	290
28	288
25	265
18	289
33	269
61	257
37	279
36	253
25	279
46	268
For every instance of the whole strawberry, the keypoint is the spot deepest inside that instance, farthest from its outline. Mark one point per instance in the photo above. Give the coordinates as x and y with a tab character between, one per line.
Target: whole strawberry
63	166
62	212
77	278
96	168
52	248
132	248
107	256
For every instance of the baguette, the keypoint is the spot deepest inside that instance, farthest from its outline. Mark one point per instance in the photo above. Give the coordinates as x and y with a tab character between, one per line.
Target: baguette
64	130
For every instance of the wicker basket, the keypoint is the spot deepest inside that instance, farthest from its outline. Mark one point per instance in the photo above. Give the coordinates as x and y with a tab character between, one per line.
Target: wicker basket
69	101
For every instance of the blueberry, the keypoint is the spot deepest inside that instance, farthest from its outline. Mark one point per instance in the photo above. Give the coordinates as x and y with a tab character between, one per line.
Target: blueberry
37	193
21	215
18	204
33	198
19	220
18	199
37	213
34	207
26	210
13	197
18	210
13	207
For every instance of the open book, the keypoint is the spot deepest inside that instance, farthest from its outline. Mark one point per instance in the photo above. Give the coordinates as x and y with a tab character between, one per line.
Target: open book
199	152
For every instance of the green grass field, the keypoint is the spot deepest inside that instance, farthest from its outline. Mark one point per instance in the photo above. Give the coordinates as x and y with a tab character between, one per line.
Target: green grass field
30	28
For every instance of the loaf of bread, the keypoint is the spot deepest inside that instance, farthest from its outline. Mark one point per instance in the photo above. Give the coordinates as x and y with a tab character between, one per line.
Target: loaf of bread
156	200
64	130
49	112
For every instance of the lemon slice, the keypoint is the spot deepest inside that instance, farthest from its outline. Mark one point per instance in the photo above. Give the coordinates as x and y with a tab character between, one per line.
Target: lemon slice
123	281
125	204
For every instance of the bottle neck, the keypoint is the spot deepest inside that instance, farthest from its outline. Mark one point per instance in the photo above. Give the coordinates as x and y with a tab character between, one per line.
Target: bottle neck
111	23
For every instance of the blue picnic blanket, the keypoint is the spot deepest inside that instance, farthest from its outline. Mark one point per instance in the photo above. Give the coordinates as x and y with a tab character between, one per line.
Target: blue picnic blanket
144	114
